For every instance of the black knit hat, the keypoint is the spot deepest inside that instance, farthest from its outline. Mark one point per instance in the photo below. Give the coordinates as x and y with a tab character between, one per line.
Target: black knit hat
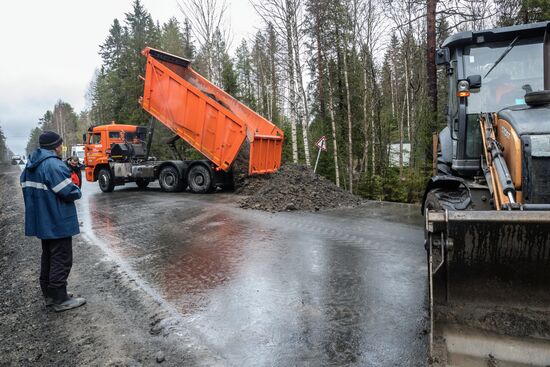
49	140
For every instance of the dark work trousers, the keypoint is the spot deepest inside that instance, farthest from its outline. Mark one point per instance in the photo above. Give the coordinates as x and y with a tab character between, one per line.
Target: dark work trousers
57	260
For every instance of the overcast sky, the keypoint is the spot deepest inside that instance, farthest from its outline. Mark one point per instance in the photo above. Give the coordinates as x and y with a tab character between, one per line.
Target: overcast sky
50	52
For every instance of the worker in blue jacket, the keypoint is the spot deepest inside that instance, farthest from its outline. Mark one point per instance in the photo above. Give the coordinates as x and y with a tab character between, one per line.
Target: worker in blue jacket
50	214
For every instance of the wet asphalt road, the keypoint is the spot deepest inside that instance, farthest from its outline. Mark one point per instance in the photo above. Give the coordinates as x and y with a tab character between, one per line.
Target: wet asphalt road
343	287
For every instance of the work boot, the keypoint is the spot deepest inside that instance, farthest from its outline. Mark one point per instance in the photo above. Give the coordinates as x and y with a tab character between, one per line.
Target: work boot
62	301
48	300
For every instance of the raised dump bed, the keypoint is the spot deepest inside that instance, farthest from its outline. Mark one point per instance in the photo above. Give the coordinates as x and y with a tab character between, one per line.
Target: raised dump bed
205	116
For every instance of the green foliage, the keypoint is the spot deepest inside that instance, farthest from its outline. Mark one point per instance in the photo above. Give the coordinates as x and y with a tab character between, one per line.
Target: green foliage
32	143
172	39
64	121
116	87
407	188
229	77
244	72
513	12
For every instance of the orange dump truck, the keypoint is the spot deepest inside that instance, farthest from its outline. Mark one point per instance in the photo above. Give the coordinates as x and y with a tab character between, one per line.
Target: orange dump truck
195	110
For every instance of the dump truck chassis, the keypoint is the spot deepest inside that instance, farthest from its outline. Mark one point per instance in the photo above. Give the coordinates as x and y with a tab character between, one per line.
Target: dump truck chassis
125	172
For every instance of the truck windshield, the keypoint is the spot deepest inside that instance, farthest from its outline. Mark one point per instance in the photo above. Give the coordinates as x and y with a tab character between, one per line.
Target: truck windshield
520	71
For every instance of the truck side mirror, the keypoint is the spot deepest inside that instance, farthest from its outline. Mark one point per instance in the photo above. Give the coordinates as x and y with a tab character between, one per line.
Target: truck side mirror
442	56
474	81
84	138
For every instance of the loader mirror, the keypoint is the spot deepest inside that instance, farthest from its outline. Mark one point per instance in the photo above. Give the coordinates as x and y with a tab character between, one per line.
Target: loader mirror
84	138
442	56
475	81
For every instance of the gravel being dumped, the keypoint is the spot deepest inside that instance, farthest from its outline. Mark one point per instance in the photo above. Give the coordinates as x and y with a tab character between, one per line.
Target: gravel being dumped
293	187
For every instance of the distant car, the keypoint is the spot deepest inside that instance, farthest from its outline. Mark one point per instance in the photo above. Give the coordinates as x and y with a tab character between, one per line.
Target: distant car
78	150
15	159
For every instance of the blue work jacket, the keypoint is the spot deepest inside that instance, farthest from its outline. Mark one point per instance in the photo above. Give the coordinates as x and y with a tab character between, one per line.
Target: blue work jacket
49	195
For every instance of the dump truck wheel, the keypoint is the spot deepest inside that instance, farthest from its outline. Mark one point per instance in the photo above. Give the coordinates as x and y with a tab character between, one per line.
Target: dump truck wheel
199	179
105	180
142	183
170	180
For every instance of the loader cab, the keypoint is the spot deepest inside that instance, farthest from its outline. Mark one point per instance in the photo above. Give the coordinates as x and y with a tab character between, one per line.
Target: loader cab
486	72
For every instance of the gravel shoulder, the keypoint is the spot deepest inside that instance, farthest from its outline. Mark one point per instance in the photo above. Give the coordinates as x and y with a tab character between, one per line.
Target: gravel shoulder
121	325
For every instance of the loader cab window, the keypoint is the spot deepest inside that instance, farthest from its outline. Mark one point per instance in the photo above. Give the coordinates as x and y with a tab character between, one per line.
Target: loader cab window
519	71
114	135
474	147
453	100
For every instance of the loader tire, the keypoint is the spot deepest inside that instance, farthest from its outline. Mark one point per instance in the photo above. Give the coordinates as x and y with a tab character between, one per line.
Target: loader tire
199	179
441	199
445	199
170	180
432	201
105	180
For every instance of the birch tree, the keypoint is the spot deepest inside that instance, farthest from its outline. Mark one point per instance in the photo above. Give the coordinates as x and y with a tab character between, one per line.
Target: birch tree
209	25
280	13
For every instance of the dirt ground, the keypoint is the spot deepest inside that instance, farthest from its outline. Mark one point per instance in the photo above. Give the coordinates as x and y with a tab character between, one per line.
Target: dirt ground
121	325
293	187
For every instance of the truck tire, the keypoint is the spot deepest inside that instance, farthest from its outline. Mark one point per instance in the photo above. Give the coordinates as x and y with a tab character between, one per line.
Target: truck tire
170	180
142	183
199	179
105	180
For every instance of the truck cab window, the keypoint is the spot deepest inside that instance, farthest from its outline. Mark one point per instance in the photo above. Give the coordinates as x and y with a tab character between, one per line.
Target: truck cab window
95	138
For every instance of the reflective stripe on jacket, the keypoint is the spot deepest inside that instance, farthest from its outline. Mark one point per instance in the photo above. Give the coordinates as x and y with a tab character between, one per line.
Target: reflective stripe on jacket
49	195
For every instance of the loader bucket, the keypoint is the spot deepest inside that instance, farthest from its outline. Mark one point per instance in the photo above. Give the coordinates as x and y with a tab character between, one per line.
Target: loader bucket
489	275
506	243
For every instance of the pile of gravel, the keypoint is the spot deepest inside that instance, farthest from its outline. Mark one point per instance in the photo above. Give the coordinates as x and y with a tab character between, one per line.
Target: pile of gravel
293	187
